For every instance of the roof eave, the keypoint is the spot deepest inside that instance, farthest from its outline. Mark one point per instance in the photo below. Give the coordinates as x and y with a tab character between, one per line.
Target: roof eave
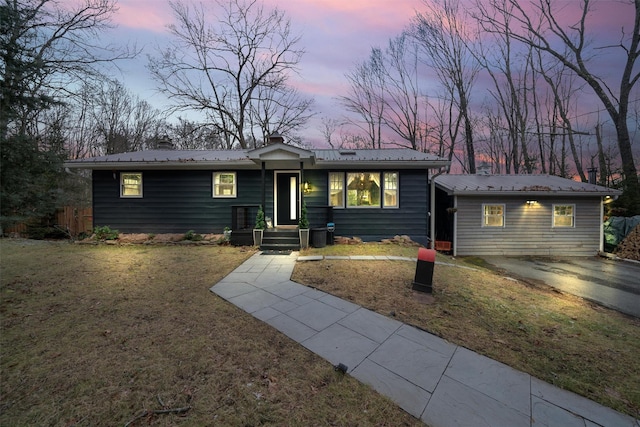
396	164
154	164
249	164
530	194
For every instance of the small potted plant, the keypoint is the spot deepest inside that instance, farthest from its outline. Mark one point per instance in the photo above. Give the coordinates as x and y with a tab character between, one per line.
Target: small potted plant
259	227
303	227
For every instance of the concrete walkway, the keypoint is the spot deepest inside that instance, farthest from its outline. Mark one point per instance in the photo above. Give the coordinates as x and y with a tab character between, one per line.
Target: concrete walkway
430	378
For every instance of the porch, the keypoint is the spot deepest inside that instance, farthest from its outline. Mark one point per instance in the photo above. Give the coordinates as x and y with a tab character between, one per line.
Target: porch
283	237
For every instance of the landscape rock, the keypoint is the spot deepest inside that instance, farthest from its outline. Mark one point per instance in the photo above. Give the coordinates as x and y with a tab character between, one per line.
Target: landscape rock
340	240
133	238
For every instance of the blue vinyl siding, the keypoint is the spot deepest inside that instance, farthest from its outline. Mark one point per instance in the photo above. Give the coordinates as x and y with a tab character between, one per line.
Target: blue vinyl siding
372	224
173	201
176	201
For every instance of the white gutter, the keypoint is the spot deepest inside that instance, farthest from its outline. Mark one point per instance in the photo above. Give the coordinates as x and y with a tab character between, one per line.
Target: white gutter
601	246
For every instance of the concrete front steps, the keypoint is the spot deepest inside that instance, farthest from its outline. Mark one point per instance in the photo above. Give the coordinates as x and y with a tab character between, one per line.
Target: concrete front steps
276	239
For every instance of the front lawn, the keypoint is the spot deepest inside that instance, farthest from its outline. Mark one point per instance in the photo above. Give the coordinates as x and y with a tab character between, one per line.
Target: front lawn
559	338
100	335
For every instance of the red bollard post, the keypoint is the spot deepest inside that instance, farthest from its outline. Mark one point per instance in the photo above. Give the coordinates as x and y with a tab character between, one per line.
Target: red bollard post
424	270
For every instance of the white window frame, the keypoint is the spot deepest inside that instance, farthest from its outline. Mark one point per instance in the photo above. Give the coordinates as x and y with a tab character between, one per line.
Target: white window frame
485	216
218	174
396	190
572	216
341	176
123	176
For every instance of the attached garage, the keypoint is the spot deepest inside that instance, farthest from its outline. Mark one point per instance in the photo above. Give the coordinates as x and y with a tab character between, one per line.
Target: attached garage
520	215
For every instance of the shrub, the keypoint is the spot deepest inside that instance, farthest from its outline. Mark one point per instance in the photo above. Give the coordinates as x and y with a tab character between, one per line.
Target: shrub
260	222
105	233
303	224
193	236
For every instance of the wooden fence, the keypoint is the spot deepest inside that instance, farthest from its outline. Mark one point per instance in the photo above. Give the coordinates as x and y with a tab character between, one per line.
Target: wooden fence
70	219
75	220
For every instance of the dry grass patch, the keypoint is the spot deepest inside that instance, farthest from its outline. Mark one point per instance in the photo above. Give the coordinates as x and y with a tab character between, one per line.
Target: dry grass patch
92	335
558	338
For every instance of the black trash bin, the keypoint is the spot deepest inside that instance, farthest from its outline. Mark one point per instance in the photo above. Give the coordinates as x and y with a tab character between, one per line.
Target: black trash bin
319	237
424	271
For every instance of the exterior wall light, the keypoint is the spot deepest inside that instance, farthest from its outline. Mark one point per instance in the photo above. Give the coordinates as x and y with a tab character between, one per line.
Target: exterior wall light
531	202
306	187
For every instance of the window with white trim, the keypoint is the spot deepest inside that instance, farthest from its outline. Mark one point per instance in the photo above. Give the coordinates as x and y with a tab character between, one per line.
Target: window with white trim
492	215
563	215
363	189
391	189
224	184
336	189
131	184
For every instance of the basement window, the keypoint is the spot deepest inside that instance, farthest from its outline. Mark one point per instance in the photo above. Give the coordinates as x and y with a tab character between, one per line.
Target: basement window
563	215
131	184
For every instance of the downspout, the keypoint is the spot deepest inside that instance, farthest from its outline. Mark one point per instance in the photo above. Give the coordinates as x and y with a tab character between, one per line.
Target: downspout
264	184
432	204
300	186
455	226
601	244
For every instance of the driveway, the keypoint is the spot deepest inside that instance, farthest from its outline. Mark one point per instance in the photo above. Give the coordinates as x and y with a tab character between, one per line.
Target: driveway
614	284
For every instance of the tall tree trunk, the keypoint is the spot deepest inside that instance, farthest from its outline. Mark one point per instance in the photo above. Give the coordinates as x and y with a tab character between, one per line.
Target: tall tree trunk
602	162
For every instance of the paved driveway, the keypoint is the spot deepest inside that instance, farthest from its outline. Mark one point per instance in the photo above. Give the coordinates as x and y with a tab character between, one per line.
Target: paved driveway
614	284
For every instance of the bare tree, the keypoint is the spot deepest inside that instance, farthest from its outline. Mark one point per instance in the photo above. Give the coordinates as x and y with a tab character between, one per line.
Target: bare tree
405	112
447	125
329	127
189	135
541	28
218	67
442	34
562	89
47	49
123	122
278	109
511	72
365	97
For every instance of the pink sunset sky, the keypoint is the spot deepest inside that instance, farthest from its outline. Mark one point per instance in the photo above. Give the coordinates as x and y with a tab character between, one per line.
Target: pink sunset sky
336	35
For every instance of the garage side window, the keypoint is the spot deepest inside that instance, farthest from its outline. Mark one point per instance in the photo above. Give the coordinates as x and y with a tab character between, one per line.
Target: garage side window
131	184
563	215
224	184
493	215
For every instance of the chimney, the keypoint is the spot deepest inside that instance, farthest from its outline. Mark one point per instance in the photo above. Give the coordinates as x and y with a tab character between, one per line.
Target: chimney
592	175
483	169
275	138
164	143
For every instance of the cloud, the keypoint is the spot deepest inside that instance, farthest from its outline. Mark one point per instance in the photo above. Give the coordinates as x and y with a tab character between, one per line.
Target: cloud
151	15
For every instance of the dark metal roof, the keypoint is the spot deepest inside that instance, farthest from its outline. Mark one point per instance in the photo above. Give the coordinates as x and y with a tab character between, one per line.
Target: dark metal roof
186	159
476	185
